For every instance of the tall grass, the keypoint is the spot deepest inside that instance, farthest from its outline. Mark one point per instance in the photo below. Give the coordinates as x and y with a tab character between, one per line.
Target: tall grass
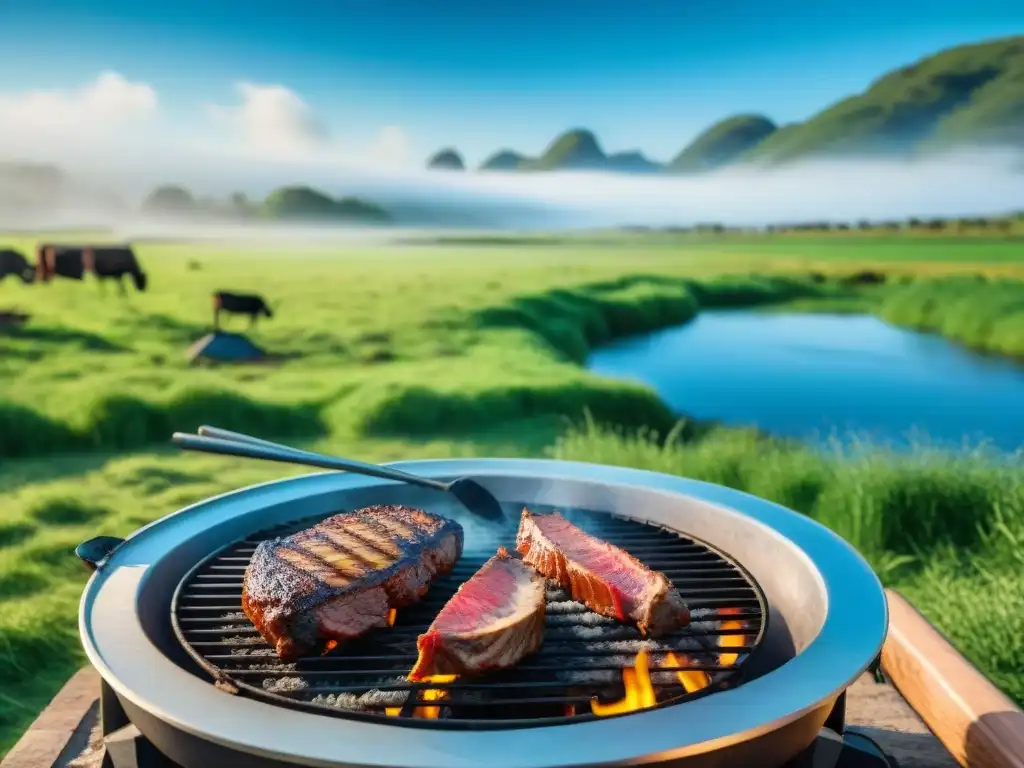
983	314
120	421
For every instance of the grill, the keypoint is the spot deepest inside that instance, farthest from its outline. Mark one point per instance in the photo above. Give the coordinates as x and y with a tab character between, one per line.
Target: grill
582	658
797	612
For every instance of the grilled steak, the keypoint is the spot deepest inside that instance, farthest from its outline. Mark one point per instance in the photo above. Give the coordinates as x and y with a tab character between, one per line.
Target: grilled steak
494	620
338	579
603	577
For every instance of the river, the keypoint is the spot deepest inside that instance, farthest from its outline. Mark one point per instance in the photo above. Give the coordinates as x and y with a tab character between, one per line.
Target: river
820	376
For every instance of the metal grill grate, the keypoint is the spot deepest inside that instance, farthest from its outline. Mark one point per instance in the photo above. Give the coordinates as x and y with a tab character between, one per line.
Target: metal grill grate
582	657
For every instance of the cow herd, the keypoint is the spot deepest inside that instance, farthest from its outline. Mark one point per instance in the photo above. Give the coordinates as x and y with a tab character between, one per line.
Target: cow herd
105	262
74	262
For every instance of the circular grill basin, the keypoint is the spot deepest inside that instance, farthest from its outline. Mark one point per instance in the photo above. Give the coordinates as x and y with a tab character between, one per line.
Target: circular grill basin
582	657
826	621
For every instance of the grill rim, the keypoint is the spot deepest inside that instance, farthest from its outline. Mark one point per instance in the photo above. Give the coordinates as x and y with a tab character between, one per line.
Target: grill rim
854	624
726	679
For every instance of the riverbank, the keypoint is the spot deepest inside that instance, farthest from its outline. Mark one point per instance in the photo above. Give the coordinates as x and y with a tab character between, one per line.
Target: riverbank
405	354
514	359
122	386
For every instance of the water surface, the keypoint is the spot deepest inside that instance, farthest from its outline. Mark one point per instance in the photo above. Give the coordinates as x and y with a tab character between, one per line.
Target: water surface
817	376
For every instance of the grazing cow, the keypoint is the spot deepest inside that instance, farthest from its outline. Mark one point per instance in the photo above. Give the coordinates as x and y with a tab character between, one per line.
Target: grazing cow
867	277
13	263
249	304
103	261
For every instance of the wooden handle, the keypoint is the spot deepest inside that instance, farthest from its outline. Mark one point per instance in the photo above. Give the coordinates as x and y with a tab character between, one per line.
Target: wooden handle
979	725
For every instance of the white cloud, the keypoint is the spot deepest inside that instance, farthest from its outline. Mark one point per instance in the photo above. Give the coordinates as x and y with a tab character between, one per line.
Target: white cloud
107	103
114	125
273	121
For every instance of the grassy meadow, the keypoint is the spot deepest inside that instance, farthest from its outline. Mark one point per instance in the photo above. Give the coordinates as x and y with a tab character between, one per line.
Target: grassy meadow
460	349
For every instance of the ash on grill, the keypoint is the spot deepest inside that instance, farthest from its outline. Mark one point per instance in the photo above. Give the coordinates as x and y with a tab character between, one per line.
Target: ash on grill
586	662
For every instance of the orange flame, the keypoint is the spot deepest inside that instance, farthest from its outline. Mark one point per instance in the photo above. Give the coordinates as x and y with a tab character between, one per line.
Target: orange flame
691	679
329	646
639	691
430	694
730	641
392	615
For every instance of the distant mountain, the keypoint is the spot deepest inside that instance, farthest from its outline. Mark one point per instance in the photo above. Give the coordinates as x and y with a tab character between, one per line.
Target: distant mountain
723	143
503	160
446	160
575	150
970	95
632	162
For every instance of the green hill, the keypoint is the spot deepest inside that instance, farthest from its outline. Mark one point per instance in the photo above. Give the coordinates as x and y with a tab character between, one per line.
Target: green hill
504	160
304	203
722	143
967	95
574	150
446	160
633	161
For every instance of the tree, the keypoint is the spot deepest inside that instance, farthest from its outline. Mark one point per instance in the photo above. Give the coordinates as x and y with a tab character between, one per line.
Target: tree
310	204
169	199
240	205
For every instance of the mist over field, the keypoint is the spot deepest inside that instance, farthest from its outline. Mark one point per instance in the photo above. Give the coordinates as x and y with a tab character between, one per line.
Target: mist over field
964	184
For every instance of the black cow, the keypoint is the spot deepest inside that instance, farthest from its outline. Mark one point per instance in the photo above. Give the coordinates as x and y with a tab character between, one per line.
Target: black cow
104	261
249	304
867	277
13	263
59	261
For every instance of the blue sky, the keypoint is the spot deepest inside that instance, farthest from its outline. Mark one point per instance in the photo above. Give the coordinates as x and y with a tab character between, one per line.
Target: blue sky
643	74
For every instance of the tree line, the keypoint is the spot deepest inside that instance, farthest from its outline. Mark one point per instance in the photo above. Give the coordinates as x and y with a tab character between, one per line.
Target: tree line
996	225
291	203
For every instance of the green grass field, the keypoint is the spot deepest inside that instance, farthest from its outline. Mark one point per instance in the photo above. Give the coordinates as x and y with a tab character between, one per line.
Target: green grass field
475	349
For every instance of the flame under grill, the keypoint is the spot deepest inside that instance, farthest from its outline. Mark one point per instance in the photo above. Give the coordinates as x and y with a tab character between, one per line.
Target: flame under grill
586	666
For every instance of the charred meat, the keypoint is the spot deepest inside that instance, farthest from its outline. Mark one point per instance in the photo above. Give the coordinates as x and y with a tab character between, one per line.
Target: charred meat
493	621
338	579
603	577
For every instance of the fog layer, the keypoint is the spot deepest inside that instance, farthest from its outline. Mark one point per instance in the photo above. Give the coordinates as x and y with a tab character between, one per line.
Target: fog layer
971	183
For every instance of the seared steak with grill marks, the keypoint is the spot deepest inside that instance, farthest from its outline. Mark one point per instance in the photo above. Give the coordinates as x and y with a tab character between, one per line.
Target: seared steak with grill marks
603	577
494	620
338	579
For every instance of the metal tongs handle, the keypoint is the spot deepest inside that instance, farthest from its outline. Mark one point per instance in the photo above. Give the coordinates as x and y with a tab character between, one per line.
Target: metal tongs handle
227	443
